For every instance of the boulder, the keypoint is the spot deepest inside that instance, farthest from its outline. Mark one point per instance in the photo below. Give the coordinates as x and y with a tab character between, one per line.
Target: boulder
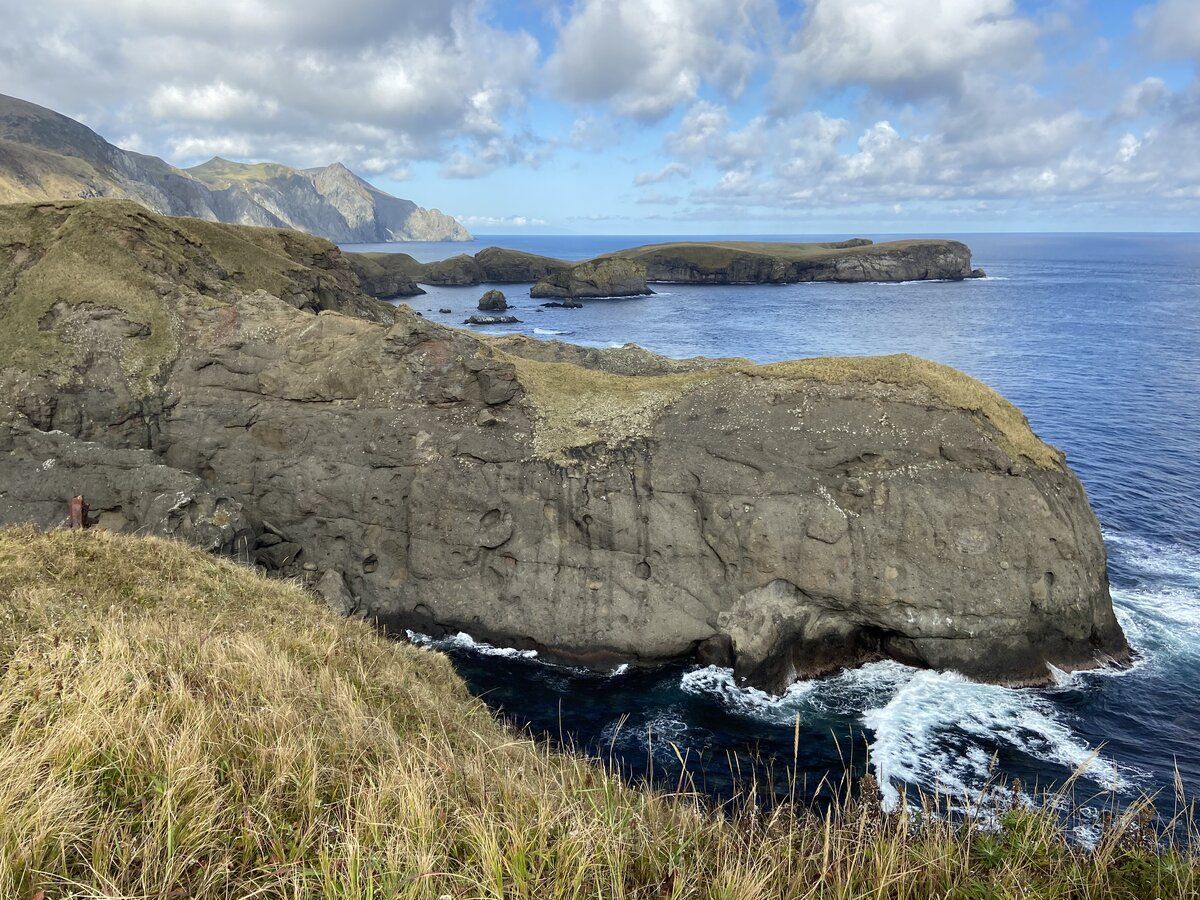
604	277
563	304
599	505
491	320
493	301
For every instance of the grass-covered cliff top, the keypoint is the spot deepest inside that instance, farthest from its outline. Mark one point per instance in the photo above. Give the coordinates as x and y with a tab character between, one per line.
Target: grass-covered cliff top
784	250
578	406
174	725
119	256
222	173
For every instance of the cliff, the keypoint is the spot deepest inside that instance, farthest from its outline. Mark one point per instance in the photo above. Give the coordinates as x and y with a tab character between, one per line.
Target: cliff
613	277
758	262
230	386
48	156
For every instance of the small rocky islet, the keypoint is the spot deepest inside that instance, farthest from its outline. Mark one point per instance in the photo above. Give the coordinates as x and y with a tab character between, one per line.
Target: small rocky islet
240	389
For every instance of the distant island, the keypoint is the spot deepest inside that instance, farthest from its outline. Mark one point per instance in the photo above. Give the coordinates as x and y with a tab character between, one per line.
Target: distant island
628	272
47	156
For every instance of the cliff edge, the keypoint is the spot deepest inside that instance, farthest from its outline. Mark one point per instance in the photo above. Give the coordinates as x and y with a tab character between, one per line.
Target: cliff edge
232	387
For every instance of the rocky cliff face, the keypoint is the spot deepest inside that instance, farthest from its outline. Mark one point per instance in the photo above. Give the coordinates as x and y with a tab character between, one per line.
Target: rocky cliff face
596	278
230	386
748	262
47	156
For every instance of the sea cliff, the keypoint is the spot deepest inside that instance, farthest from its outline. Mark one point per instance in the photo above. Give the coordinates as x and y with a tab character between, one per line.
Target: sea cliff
234	387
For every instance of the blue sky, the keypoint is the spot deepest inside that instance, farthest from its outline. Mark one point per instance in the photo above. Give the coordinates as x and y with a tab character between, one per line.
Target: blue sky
660	116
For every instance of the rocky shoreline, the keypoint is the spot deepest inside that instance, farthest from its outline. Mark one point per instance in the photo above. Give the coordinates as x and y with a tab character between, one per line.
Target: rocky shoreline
233	387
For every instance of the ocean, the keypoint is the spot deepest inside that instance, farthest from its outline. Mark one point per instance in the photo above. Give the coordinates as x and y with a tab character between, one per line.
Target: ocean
1097	338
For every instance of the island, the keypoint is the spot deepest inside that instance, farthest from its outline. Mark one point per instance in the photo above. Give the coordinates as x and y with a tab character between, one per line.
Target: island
629	272
233	387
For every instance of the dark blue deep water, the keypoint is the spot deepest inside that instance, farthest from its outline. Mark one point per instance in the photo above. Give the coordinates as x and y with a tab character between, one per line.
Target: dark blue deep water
1097	339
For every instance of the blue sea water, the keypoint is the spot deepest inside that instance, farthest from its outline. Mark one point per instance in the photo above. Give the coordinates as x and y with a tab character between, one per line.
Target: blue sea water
1097	339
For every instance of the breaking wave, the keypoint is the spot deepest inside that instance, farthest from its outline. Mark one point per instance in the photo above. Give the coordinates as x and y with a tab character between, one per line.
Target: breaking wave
944	732
463	641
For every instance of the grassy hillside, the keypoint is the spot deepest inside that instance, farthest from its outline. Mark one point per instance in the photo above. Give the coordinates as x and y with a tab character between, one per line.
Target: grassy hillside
172	725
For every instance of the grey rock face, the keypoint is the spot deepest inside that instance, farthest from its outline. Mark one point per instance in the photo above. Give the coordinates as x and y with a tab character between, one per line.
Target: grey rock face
606	277
384	275
493	301
598	505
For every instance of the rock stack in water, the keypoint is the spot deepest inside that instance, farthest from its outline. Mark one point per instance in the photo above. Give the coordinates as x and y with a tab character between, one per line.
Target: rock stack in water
598	505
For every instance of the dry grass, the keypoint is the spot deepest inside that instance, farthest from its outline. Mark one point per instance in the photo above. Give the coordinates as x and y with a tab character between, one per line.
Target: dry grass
172	725
577	406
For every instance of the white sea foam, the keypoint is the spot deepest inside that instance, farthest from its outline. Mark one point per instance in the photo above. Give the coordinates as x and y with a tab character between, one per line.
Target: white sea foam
463	641
719	682
550	331
619	670
941	731
1171	561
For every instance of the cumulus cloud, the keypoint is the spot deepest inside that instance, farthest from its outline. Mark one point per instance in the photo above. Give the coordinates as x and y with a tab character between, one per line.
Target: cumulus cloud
385	81
645	57
902	48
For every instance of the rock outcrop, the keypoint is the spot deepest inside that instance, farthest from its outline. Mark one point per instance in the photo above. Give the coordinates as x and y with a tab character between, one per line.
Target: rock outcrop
47	156
493	301
487	319
384	275
233	387
756	262
609	277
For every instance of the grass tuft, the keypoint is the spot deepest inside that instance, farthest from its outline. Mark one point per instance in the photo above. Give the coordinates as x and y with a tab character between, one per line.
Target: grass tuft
173	725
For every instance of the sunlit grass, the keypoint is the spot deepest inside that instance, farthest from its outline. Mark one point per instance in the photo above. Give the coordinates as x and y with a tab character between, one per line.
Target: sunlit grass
173	725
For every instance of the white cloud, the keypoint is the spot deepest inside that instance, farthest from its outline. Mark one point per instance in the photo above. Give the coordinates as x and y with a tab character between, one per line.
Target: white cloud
645	57
375	80
670	170
216	102
501	221
1172	27
902	48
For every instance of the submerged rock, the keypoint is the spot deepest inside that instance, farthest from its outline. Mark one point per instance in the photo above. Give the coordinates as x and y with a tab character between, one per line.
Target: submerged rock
493	301
563	304
597	505
605	277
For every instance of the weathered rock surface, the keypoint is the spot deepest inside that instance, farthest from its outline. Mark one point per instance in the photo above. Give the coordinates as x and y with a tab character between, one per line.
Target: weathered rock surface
384	275
493	301
755	262
47	156
232	387
608	277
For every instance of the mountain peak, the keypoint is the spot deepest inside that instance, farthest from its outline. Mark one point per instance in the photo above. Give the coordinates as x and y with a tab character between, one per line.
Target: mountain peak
331	202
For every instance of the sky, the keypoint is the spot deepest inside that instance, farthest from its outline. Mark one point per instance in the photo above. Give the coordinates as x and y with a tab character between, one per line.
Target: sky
660	116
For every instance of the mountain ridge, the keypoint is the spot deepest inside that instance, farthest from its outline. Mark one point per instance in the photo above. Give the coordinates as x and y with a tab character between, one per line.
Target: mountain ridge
45	155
